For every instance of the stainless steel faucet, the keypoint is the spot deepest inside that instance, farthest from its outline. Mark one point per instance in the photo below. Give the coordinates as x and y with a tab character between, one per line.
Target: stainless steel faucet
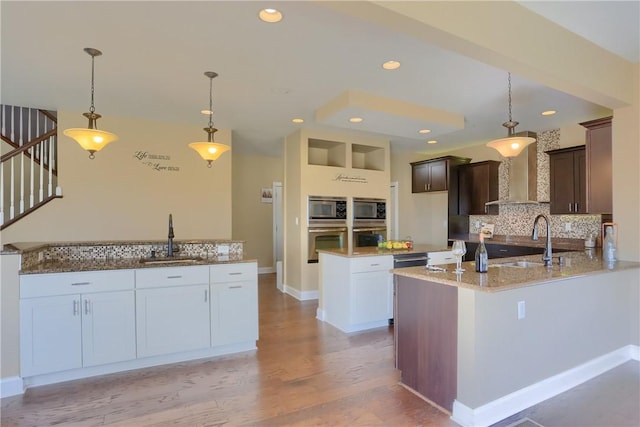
170	241
547	257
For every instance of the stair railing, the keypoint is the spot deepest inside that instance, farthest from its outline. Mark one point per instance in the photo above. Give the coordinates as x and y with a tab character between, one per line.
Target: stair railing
29	159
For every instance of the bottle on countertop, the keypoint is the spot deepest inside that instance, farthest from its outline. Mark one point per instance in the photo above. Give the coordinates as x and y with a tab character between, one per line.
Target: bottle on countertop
482	257
609	245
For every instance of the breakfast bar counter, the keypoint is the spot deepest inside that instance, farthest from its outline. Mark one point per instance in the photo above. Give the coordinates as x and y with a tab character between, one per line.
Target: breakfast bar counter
484	346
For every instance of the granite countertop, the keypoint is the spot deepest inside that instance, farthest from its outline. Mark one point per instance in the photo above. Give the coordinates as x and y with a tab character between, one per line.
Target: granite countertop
56	266
577	264
375	251
20	247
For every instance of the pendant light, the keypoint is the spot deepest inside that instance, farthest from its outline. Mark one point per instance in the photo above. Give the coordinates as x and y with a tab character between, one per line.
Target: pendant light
91	139
512	145
210	150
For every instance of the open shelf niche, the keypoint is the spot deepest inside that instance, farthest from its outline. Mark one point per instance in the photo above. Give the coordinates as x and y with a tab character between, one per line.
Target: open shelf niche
327	153
367	157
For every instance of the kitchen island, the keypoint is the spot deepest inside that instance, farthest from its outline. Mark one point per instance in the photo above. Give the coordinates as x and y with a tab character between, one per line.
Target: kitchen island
485	346
356	286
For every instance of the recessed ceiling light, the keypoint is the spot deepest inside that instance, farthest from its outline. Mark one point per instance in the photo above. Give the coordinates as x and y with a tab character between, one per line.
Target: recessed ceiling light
423	131
432	141
270	15
297	121
206	112
548	113
355	119
391	65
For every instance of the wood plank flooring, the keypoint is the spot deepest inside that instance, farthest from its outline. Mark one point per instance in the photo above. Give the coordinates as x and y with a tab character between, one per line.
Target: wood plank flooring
304	373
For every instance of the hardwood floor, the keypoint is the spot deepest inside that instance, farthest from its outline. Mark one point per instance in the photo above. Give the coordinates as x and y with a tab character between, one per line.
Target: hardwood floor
304	373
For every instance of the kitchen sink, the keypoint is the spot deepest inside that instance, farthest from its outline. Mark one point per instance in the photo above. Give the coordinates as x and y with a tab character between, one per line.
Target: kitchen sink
518	264
170	260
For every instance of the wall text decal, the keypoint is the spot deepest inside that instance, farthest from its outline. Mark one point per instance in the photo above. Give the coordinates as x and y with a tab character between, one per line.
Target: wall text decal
350	178
155	161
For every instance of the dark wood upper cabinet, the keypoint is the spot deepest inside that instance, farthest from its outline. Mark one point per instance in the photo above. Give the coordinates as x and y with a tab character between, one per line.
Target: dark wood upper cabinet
434	174
568	177
599	166
477	185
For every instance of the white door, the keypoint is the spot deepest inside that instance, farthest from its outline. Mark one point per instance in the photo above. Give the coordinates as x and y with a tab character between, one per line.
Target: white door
171	320
108	328
50	336
392	212
278	233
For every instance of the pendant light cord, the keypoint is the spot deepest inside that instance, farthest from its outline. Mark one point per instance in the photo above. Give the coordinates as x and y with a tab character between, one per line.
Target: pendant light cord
92	109
510	98
210	102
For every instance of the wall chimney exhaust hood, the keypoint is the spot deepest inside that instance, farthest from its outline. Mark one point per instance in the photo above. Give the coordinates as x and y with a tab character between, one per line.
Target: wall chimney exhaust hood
523	175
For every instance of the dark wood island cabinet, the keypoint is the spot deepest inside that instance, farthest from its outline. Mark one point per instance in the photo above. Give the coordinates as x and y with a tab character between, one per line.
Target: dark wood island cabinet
426	339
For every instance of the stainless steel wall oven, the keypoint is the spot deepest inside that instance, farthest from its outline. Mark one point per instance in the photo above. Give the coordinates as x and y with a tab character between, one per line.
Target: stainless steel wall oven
325	238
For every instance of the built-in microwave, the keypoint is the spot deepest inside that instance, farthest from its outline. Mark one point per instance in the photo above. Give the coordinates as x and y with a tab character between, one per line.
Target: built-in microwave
327	208
369	209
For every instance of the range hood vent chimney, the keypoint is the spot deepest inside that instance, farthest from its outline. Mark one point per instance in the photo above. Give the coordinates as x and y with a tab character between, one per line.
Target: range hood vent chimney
523	175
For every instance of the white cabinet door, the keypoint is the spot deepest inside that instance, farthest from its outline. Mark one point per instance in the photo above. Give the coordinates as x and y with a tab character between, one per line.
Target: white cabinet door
50	334
234	312
371	297
173	319
108	327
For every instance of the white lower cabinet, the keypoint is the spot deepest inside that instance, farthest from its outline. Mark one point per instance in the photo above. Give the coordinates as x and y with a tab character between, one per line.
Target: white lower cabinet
89	323
357	293
74	330
172	310
234	303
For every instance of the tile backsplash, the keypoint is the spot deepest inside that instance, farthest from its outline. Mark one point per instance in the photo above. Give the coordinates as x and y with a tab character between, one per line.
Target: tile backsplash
517	219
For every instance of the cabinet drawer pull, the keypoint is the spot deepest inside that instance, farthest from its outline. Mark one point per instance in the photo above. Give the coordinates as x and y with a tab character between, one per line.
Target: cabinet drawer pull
235	287
576	209
86	306
503	250
80	283
235	274
206	297
373	265
570	208
174	277
75	307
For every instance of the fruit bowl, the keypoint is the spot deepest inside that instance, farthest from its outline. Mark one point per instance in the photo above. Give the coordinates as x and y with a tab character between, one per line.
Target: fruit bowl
395	245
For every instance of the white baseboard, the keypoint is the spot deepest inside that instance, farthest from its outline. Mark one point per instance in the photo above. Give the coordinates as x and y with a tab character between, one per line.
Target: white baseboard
266	270
320	315
517	401
301	295
11	386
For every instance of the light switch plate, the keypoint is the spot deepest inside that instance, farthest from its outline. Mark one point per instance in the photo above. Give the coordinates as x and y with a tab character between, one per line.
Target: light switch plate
223	249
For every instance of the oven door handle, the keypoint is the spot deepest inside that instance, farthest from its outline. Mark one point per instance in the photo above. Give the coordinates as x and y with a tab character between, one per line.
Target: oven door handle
401	260
369	229
325	230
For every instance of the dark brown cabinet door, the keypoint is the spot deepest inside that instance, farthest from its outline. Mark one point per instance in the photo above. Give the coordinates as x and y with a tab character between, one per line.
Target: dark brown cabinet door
568	180
438	176
419	177
599	166
477	185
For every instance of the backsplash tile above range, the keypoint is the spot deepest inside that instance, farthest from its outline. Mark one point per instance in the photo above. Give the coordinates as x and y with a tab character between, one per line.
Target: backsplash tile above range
517	220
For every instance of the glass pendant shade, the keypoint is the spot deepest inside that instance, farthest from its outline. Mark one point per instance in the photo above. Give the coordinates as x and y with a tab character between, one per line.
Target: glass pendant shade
209	151
511	146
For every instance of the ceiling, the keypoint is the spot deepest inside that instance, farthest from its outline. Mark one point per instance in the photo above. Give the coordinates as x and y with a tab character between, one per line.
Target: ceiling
316	64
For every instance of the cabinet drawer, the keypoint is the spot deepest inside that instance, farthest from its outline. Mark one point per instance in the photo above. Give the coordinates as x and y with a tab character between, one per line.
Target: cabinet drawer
42	285
441	257
172	276
376	263
236	272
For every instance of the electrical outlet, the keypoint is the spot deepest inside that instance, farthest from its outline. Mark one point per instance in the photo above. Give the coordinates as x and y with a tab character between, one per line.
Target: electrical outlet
477	224
521	310
567	226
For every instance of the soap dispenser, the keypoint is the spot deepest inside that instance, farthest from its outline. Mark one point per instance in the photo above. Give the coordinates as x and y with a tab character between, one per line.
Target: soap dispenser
609	245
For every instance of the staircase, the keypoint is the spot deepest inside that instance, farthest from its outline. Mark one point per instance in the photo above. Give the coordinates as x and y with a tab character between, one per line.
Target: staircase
29	162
